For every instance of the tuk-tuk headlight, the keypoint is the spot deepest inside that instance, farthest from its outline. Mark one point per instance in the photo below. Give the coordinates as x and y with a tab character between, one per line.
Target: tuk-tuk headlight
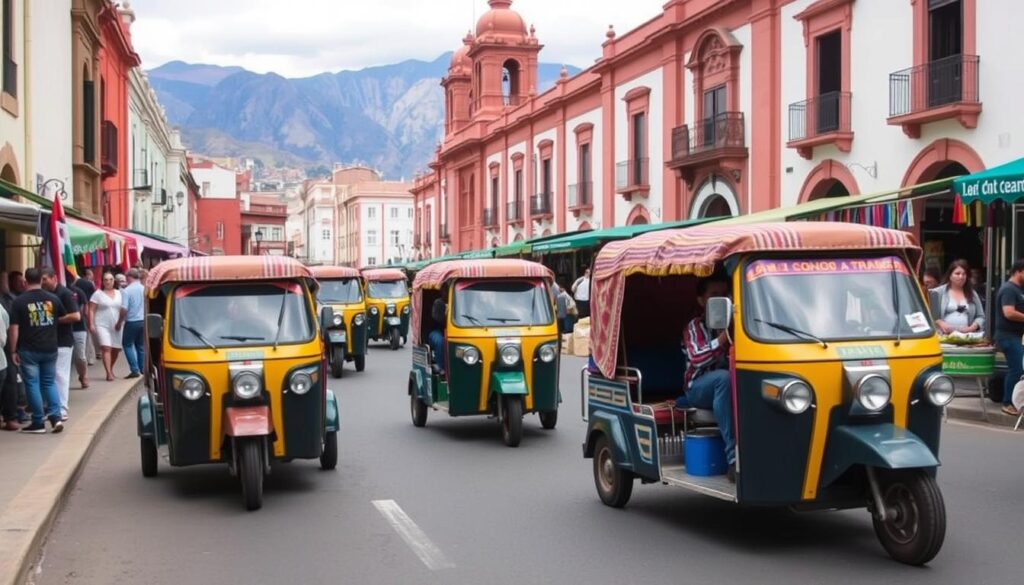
247	385
191	387
547	353
405	310
373	310
510	355
338	320
939	389
469	354
391	309
796	397
301	382
873	392
359	320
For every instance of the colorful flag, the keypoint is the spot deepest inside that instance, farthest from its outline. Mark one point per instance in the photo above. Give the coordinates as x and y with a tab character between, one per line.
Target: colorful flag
59	253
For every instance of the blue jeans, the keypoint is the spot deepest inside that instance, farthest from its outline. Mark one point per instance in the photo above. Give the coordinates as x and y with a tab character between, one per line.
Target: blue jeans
134	343
713	391
1013	349
39	372
435	339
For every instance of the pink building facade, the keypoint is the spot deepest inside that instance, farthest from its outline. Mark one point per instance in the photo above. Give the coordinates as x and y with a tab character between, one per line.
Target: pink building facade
712	108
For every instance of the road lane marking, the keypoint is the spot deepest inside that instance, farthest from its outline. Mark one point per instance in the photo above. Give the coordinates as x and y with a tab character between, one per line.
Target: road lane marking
418	541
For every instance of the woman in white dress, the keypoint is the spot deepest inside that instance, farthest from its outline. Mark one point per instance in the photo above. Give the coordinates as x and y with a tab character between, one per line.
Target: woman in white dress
105	322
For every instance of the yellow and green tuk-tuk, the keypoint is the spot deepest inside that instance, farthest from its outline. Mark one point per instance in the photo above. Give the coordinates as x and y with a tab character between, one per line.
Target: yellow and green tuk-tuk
341	289
234	368
387	302
485	342
835	388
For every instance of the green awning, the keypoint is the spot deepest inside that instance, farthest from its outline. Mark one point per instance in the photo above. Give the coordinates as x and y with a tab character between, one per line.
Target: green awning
1002	183
593	238
12	190
86	239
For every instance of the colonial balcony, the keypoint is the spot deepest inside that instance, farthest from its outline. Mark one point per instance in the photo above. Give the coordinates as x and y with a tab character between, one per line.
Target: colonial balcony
943	89
820	120
579	198
540	206
444	235
514	212
108	148
491	217
632	177
718	140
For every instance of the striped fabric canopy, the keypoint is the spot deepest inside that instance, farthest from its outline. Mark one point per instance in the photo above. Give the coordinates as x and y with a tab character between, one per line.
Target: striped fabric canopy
329	272
225	268
695	251
383	274
434	276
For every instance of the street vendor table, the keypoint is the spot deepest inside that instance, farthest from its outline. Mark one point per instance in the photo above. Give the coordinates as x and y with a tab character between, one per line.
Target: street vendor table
970	361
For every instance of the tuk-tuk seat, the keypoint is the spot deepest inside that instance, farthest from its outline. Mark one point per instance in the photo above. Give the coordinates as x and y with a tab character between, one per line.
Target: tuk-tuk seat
663	371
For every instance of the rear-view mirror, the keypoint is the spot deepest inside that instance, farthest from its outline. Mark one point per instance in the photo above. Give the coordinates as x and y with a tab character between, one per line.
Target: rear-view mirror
719	313
155	325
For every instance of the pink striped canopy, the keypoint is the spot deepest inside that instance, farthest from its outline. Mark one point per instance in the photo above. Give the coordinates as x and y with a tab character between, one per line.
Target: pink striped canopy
383	274
696	250
435	275
225	268
332	272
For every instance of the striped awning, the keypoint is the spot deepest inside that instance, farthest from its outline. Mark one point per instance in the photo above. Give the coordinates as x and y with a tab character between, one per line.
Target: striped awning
695	251
329	272
383	274
225	268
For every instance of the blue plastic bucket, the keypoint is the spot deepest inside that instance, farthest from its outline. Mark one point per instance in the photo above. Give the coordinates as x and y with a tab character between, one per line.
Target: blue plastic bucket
705	453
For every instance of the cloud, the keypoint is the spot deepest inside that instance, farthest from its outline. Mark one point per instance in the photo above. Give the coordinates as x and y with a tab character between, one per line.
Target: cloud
306	37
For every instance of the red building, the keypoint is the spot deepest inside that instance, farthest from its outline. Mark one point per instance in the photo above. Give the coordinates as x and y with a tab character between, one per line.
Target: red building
263	225
116	58
218	218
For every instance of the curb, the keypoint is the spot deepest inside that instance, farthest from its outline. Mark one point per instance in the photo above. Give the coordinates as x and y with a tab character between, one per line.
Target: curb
993	417
27	521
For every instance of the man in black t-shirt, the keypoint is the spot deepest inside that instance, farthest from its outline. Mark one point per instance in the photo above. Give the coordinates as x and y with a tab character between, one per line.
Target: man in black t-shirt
65	336
33	342
88	288
1009	328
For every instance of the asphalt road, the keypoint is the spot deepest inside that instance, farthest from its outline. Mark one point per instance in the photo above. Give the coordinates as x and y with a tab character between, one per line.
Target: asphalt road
474	511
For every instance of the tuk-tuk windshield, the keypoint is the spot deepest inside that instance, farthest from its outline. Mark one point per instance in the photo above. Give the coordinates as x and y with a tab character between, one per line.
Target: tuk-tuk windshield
380	289
344	292
501	304
242	315
832	299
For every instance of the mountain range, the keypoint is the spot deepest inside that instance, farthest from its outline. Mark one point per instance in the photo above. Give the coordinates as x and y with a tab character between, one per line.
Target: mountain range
390	117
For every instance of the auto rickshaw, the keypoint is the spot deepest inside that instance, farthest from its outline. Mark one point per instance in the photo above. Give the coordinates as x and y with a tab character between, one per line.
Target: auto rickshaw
495	352
234	368
387	300
836	386
341	289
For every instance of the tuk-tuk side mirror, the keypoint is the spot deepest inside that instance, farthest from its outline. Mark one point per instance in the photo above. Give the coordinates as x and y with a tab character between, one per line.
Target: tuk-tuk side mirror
155	325
326	317
719	313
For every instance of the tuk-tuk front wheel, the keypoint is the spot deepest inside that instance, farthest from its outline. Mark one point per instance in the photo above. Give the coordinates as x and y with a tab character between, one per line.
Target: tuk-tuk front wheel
418	410
360	361
250	463
149	456
394	338
915	519
337	362
329	456
548	420
614	484
512	420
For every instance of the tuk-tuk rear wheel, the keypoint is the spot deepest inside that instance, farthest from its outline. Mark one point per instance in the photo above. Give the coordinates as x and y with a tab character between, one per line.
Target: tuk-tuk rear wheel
915	527
360	361
512	420
149	456
250	462
549	419
418	410
329	456
614	484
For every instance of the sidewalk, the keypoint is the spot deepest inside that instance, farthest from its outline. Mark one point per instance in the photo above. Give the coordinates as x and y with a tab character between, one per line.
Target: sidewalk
968	406
38	471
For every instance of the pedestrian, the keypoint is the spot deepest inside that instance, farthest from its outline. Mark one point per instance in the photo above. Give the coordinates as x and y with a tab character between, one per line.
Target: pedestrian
88	288
8	401
105	320
1009	327
79	356
956	307
930	279
65	336
133	299
561	307
122	281
33	340
9	386
581	292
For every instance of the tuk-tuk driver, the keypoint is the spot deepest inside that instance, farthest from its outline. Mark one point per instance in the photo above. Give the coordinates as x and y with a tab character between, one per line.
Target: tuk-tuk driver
435	339
707	379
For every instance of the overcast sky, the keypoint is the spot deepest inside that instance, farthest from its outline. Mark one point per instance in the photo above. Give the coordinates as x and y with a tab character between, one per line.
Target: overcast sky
304	37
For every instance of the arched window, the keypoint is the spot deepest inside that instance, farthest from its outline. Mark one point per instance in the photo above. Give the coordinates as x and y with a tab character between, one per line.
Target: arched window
510	78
